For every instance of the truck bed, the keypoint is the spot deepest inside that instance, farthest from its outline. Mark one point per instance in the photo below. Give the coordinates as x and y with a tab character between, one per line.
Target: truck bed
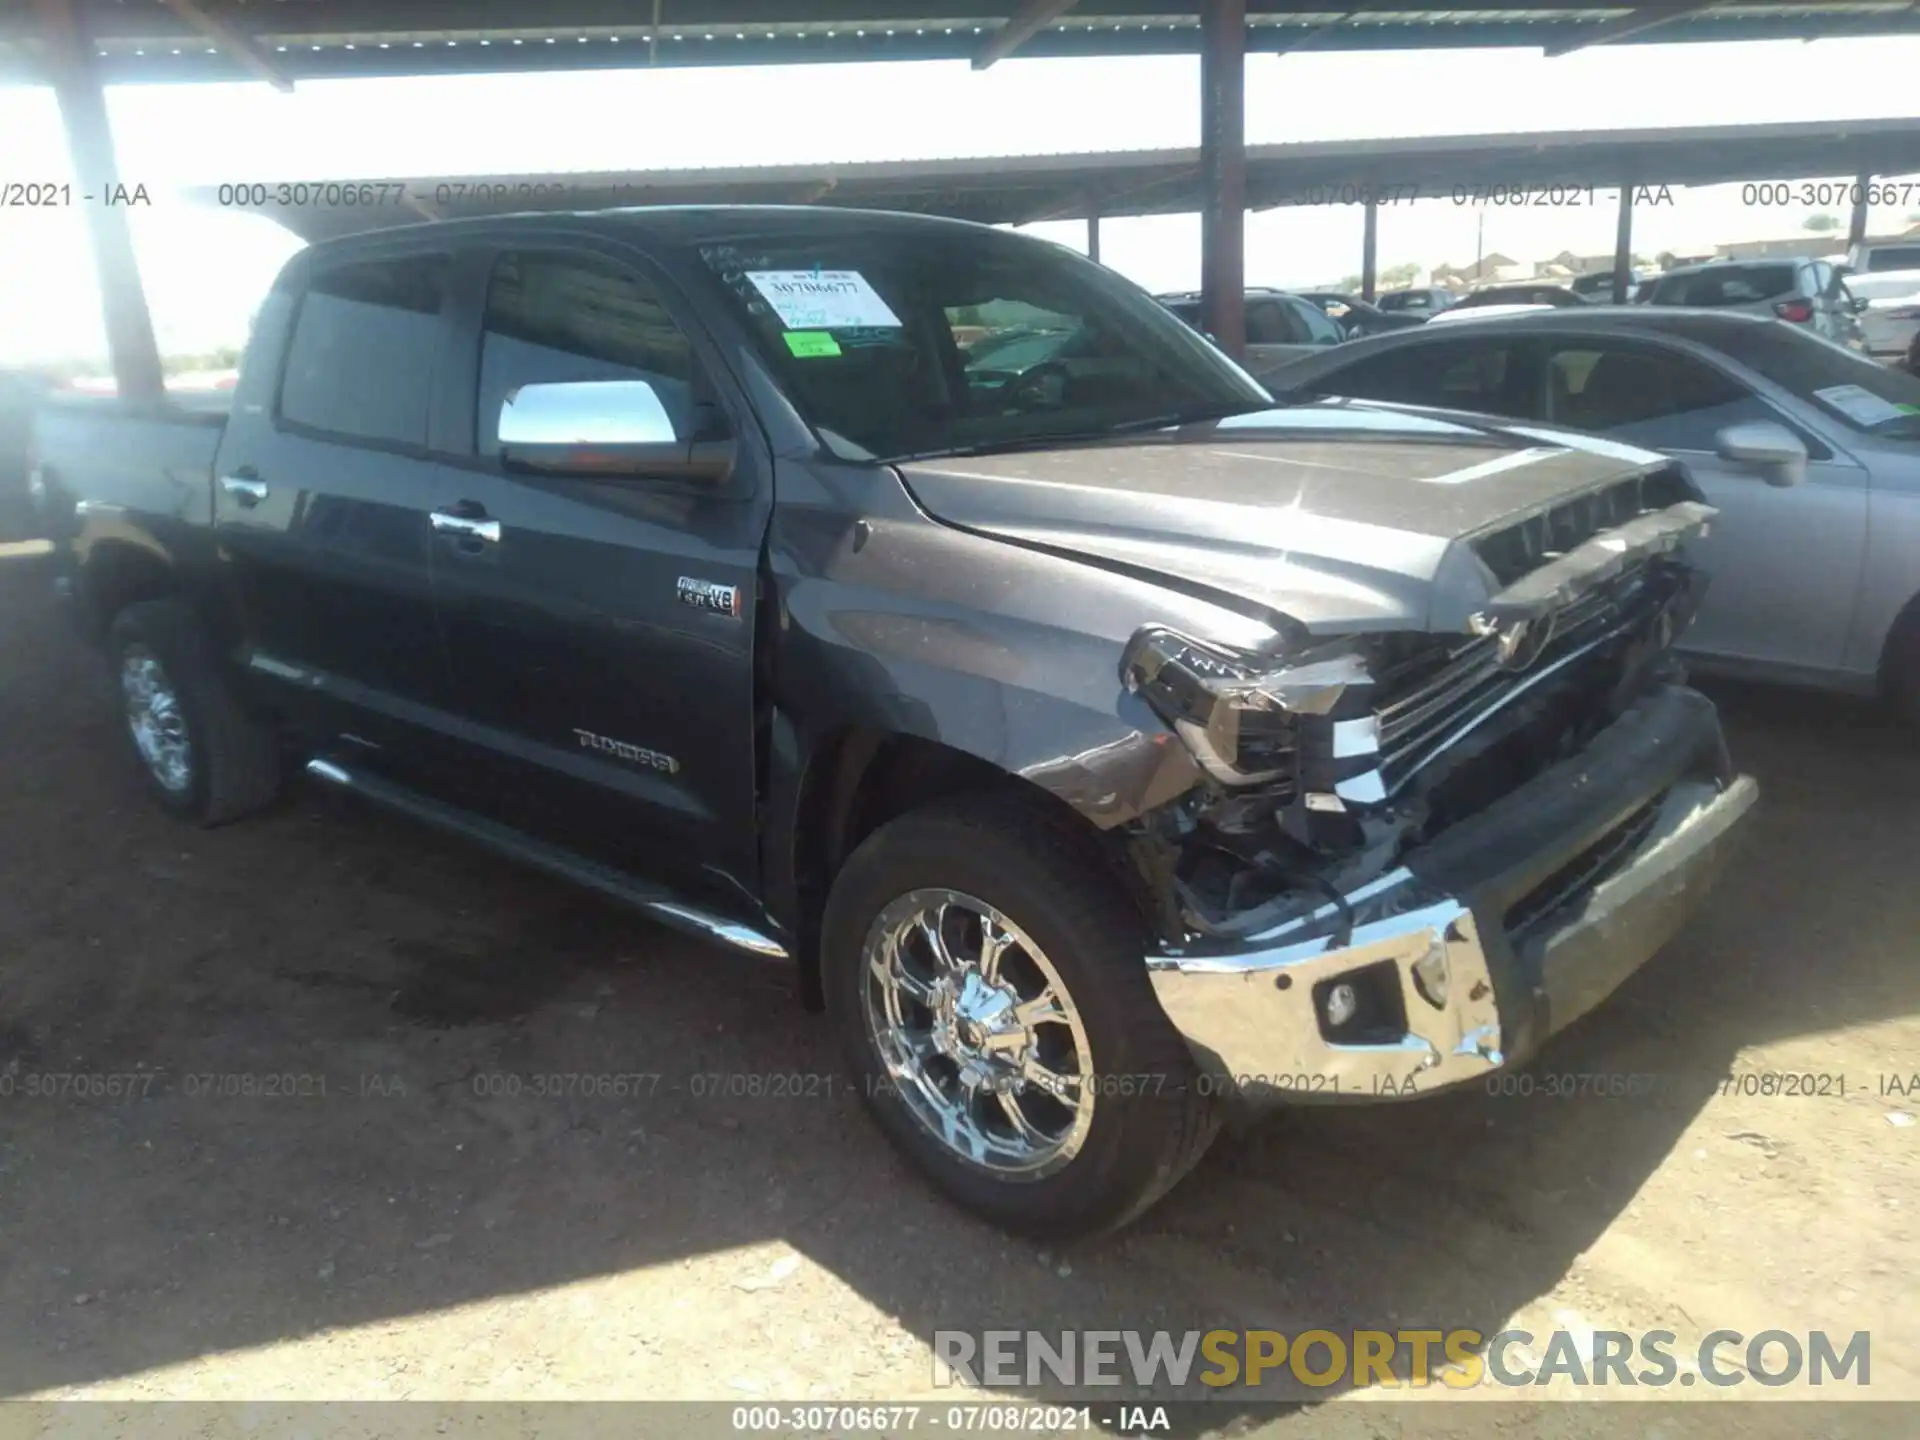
156	461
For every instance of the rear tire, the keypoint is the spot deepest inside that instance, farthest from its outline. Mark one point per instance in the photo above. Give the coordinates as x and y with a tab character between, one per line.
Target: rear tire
204	758
1900	665
1049	1093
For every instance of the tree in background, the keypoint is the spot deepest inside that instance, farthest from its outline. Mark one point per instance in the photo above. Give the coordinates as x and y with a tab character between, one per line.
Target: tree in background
1821	224
1396	276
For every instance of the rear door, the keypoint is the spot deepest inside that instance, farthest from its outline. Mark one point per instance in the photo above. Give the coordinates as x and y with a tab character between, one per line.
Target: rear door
1784	564
1320	328
322	494
607	699
1284	328
1274	334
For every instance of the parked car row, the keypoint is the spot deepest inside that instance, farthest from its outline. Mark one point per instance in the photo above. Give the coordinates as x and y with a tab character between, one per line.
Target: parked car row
1880	317
1875	313
1805	292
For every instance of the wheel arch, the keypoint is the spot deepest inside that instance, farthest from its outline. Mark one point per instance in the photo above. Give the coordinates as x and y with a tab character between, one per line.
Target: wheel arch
118	570
857	778
1901	647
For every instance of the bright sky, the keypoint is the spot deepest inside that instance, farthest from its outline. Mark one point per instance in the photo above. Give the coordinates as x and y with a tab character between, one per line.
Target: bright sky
204	270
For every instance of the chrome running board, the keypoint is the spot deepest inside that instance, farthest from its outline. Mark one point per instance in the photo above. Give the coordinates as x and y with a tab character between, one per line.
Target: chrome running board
504	840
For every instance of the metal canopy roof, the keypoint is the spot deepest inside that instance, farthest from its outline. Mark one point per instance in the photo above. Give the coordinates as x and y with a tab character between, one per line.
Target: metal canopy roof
1026	189
199	40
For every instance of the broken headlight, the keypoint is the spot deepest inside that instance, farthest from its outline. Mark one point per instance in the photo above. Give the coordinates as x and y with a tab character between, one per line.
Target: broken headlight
1240	715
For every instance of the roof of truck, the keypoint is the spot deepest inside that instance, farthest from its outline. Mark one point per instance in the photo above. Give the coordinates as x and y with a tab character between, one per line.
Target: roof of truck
684	224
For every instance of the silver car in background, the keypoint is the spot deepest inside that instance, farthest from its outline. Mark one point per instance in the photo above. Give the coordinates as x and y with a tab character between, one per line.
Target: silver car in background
1872	259
1810	293
1892	316
1810	451
1279	326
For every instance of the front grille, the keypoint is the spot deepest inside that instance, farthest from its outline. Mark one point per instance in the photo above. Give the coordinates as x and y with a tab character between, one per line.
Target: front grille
1462	686
1572	882
1522	548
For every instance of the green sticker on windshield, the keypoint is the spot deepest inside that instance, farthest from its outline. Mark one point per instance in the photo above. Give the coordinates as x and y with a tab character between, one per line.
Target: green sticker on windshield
809	344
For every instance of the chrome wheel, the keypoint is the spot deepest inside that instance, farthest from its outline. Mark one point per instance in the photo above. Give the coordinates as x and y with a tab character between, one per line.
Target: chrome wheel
978	1033
154	718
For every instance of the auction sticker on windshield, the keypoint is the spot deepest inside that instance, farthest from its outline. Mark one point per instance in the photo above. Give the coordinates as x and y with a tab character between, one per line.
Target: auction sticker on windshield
1863	407
808	344
823	299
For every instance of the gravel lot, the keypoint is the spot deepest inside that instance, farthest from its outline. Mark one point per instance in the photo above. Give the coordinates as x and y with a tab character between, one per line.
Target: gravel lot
408	1234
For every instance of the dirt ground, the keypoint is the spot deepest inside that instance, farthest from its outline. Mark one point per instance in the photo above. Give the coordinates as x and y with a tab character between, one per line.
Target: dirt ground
410	1234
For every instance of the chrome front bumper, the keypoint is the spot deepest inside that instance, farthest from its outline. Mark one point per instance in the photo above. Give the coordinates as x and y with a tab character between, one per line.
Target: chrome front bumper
1252	1018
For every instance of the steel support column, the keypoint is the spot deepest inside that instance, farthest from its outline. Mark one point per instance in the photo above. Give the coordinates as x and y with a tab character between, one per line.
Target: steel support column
1093	236
1223	164
1369	251
83	111
1623	246
1857	221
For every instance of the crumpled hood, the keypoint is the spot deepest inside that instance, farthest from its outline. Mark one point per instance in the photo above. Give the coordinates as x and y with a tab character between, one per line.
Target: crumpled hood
1342	515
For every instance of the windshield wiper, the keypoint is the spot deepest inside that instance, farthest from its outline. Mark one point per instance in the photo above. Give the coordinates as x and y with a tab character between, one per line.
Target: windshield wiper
1171	420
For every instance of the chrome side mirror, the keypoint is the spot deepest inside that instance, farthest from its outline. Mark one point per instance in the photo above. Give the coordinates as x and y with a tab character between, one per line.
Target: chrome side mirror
1771	451
604	427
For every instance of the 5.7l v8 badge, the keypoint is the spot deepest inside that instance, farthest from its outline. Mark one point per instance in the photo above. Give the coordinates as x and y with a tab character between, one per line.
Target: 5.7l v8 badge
707	595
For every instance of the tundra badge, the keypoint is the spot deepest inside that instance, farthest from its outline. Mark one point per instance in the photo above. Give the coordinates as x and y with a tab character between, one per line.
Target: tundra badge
639	755
708	595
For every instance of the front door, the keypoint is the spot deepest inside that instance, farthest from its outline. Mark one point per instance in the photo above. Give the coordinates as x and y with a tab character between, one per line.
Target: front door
600	629
1783	564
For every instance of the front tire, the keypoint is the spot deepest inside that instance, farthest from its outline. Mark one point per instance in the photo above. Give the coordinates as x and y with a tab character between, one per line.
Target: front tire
986	978
204	758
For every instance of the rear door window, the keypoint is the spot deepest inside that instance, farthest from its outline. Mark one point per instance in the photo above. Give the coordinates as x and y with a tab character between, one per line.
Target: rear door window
365	347
1271	323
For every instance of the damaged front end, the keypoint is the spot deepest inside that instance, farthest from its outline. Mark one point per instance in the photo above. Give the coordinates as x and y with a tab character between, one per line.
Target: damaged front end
1394	828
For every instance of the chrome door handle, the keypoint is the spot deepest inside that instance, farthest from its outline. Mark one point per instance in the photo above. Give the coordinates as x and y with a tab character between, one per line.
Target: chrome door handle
465	526
246	491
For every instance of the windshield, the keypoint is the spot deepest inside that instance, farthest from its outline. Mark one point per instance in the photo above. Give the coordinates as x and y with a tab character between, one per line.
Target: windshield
1851	388
1893	257
895	342
1725	285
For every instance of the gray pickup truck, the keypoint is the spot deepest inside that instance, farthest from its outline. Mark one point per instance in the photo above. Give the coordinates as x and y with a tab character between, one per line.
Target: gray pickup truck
1101	742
